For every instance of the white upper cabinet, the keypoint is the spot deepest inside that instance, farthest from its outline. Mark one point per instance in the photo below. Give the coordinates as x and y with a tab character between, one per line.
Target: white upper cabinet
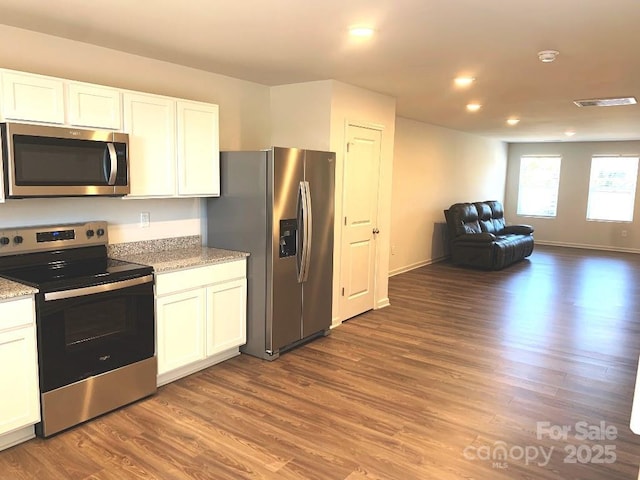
150	121
32	98
94	106
173	143
173	146
198	149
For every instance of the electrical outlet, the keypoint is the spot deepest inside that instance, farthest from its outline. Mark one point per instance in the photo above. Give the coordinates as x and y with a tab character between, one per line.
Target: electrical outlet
393	249
623	233
144	219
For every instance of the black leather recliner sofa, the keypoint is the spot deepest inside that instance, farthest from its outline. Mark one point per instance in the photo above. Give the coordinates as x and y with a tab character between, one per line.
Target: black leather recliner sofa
479	236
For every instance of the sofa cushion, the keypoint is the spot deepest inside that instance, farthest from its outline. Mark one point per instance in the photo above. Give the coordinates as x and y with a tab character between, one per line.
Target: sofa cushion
465	218
490	216
511	248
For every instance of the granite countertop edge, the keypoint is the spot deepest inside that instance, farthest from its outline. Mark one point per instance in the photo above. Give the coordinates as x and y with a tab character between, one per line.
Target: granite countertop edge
182	258
165	255
10	290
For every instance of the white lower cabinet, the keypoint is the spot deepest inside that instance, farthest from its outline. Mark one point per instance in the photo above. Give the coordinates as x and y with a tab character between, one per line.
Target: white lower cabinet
20	405
201	317
181	323
227	316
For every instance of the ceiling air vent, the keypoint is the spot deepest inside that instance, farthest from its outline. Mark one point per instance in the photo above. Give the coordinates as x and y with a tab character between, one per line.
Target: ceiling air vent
606	102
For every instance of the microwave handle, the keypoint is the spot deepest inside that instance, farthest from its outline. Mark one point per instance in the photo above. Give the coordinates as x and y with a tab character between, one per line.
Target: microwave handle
113	160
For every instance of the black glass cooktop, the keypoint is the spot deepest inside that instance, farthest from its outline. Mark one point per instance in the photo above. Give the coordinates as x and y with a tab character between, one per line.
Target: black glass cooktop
72	268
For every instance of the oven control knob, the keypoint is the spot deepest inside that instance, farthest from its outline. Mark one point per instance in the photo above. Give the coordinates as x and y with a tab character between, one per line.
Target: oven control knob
17	239
100	232
90	233
4	241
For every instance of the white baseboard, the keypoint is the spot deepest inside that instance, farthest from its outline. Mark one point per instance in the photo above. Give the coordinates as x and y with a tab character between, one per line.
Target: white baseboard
17	436
383	302
586	246
413	266
180	372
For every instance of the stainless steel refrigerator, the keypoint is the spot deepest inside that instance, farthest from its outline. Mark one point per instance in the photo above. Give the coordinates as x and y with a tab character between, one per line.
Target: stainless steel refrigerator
278	205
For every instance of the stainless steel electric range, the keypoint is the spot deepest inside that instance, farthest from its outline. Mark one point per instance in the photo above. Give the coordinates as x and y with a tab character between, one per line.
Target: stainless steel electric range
94	318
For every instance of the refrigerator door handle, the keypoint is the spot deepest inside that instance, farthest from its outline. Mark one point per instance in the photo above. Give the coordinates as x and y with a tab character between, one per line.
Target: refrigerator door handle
304	225
308	234
300	251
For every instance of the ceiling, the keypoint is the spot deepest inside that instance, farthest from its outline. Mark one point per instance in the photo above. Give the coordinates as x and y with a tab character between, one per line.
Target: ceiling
418	48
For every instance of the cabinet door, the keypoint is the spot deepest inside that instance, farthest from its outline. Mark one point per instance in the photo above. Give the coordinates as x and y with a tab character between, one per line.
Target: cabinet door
32	98
20	405
226	315
198	149
180	323
150	121
94	106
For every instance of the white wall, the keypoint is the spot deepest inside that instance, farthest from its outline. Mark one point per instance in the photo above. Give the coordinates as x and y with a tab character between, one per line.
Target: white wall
355	105
315	115
301	115
169	217
434	167
570	227
244	124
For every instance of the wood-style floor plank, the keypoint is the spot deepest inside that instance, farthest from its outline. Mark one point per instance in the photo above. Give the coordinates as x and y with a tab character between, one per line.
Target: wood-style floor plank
462	363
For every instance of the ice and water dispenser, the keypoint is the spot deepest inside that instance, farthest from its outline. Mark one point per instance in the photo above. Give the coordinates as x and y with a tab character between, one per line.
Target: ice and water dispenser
288	237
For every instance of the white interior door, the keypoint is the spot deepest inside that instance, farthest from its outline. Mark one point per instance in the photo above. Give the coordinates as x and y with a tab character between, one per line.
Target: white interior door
359	223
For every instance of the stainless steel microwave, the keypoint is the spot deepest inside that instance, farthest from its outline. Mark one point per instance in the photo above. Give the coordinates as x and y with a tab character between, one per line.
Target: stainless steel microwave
44	161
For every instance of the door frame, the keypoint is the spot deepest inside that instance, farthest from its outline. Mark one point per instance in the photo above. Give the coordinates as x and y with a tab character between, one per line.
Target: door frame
339	218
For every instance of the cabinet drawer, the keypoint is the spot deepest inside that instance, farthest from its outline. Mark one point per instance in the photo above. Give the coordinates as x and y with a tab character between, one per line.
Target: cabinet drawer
15	313
199	277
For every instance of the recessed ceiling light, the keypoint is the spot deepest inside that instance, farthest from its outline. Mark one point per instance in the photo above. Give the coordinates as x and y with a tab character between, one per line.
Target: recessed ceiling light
570	133
473	107
513	121
548	56
360	31
463	81
606	102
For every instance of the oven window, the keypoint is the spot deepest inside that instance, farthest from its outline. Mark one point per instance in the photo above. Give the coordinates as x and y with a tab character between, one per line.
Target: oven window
97	320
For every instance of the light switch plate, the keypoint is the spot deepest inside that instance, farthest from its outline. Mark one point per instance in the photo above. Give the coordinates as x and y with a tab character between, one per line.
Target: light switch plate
144	219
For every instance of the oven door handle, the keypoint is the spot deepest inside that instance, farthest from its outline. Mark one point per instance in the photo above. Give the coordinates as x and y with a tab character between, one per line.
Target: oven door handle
105	287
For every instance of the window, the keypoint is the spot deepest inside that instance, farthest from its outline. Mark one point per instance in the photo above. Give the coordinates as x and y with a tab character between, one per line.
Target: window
612	188
538	186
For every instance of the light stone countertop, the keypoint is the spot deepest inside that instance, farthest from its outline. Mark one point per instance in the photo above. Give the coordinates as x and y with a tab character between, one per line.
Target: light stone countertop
9	289
181	258
164	255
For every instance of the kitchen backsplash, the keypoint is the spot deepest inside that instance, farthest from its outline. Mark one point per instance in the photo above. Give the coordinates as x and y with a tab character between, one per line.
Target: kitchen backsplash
159	245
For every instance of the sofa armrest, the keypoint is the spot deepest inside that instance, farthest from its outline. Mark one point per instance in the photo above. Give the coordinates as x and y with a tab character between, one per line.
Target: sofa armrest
518	229
483	237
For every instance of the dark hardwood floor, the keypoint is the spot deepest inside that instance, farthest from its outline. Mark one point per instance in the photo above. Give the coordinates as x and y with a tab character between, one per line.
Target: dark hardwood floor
469	374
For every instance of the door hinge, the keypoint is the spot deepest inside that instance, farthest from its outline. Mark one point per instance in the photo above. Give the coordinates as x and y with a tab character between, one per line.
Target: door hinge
343	291
345	220
348	146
